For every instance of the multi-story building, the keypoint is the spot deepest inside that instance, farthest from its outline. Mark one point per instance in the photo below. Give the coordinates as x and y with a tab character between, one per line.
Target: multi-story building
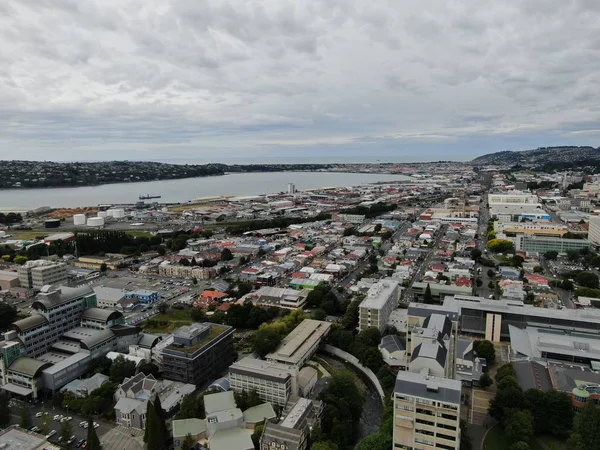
538	244
301	344
200	273
198	353
594	230
59	341
40	273
427	412
382	298
273	382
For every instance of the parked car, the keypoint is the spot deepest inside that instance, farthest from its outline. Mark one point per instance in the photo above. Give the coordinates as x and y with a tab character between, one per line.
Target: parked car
96	425
79	443
82	424
39	414
52	433
57	417
71	440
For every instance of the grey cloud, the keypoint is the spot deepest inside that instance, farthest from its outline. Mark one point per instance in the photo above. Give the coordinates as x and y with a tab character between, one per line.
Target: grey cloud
107	74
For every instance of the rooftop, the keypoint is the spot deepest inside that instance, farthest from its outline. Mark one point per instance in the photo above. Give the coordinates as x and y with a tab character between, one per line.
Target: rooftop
432	388
183	427
300	341
379	294
262	368
220	401
215	331
231	439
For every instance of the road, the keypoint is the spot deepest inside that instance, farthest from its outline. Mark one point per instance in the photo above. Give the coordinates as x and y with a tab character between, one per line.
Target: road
408	295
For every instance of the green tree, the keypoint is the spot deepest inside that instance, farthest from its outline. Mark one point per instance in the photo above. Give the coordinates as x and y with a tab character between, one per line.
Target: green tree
485	349
505	370
93	443
226	255
538	269
20	260
8	314
121	369
265	340
521	445
26	420
148	368
485	380
350	318
475	254
318	314
587	279
4	410
491	273
506	400
427	297
370	357
500	246
586	433
256	435
65	431
519	426
551	255
370	337
253	399
194	281
163	308
377	441
323	446
188	443
342	339
103	267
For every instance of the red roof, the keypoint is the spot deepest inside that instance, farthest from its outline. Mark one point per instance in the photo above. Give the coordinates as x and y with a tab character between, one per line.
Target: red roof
224	307
213	294
463	281
299	275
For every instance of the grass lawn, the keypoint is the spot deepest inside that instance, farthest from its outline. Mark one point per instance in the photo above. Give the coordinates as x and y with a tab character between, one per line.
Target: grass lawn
139	233
547	442
176	318
496	439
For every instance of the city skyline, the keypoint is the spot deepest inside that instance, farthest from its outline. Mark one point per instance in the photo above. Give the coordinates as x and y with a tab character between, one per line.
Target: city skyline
330	80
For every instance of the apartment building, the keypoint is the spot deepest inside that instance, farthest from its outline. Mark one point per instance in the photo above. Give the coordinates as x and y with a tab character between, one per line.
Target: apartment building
426	412
382	298
37	274
200	273
274	382
198	353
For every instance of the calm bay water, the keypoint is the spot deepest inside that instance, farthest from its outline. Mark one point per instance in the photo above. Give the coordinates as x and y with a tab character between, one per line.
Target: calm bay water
174	191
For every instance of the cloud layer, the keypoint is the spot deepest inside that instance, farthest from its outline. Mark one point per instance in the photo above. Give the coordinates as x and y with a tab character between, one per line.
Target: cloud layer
157	79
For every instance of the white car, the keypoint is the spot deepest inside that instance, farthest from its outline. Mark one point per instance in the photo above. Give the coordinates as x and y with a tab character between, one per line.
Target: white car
68	418
57	417
40	414
52	433
96	424
83	424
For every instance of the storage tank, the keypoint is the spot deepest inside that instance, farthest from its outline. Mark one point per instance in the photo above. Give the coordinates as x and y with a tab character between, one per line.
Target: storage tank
95	221
102	213
79	219
118	213
110	212
52	223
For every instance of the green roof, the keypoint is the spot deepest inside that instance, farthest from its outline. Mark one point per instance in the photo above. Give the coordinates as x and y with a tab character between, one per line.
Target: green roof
232	438
28	366
183	427
258	413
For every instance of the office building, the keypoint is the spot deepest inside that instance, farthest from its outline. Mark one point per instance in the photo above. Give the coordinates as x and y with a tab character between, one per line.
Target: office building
274	382
594	230
382	298
9	280
198	353
301	344
427	412
37	274
540	244
58	342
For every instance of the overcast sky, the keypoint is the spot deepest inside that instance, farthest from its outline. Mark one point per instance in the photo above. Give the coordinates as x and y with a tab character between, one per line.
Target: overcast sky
401	80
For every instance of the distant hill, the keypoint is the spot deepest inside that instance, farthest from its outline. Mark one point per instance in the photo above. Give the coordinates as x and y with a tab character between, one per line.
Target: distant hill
568	156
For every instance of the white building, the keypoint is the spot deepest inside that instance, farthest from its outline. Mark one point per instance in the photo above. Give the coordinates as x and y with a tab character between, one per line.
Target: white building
427	412
37	274
382	298
594	230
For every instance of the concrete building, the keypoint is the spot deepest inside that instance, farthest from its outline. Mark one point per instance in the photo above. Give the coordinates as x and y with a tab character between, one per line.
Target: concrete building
274	382
382	298
439	291
15	438
9	280
109	297
594	230
301	344
539	244
427	412
39	273
198	353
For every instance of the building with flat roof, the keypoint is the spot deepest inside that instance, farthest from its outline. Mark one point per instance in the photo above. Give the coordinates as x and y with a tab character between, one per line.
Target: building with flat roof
427	412
302	343
541	244
274	382
109	297
594	230
15	438
198	353
439	290
382	298
40	273
9	280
